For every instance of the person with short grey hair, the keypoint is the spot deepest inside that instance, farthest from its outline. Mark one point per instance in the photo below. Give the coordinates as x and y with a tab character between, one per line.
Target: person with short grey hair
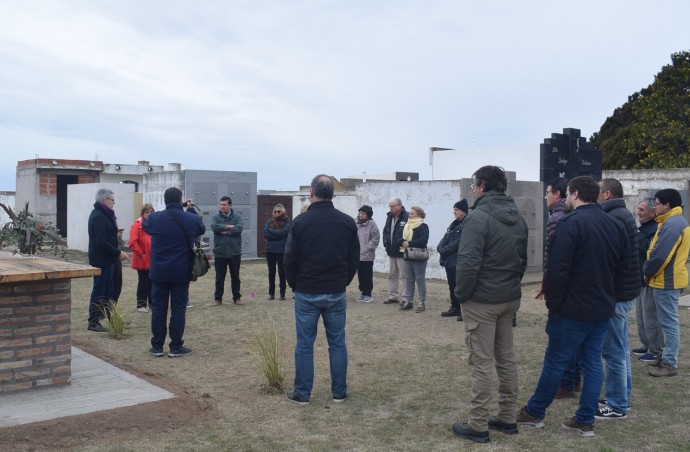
392	235
103	254
648	329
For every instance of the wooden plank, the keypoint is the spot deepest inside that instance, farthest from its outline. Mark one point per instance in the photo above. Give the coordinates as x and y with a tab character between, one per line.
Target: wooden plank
17	269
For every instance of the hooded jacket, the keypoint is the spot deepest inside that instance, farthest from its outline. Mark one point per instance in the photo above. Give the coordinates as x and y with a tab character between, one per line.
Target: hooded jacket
492	255
668	252
369	237
630	283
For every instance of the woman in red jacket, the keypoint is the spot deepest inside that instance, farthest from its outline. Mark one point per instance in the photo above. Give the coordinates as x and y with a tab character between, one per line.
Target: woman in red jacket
140	244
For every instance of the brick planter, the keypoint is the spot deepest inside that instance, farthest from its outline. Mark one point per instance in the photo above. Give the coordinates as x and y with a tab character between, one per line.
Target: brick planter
35	322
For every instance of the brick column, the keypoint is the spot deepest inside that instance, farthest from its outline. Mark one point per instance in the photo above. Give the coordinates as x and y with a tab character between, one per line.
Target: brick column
35	327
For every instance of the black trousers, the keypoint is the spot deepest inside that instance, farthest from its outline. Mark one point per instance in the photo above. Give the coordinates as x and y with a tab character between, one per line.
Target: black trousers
450	274
274	260
222	264
365	275
143	289
117	280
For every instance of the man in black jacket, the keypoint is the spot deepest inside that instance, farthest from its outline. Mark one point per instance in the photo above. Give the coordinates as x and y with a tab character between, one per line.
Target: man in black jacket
581	286
392	234
104	254
616	351
321	258
448	250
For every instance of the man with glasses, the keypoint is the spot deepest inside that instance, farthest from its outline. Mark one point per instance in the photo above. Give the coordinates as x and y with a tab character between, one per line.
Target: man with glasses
666	274
103	254
588	242
392	234
492	258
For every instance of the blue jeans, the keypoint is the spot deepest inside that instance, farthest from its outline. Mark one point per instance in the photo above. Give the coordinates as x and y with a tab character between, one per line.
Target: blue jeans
101	294
308	309
567	338
616	354
178	294
667	313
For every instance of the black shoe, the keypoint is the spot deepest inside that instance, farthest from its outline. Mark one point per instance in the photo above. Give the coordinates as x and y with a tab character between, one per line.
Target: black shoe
270	297
406	306
282	297
468	433
181	351
156	351
339	399
508	429
460	319
294	399
451	312
97	327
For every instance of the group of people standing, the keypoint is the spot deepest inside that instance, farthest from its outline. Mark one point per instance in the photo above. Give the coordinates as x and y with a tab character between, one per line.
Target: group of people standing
597	265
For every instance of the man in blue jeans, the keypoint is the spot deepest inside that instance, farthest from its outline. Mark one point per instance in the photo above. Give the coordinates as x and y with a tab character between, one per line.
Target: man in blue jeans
321	258
172	233
616	351
581	286
666	274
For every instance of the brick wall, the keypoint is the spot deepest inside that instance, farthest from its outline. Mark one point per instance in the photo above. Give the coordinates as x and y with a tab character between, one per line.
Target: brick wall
48	184
35	326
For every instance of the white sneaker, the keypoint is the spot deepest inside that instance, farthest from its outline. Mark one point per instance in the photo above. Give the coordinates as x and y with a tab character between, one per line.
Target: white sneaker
367	299
143	309
189	306
360	298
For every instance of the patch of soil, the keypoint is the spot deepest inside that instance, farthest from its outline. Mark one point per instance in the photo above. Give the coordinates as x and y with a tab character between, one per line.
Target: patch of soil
104	427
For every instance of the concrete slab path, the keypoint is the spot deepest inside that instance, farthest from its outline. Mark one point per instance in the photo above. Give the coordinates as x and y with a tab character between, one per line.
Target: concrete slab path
96	386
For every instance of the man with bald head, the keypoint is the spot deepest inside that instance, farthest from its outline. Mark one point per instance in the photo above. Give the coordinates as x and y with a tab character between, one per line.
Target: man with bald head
392	234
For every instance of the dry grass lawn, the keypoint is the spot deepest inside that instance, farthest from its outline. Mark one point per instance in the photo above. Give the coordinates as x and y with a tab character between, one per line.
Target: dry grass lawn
408	379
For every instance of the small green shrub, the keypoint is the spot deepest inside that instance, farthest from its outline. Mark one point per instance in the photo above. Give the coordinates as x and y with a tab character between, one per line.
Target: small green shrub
115	321
268	357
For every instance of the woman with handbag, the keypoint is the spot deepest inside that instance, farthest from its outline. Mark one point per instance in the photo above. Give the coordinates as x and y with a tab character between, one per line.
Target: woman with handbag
413	244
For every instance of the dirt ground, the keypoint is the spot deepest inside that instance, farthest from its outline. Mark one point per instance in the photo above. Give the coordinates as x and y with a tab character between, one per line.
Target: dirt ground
407	378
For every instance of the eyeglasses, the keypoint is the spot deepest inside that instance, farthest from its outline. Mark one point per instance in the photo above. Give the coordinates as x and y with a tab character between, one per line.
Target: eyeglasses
548	192
110	199
277	211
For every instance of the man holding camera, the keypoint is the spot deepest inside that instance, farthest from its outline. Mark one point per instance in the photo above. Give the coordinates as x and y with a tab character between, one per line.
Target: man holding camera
172	233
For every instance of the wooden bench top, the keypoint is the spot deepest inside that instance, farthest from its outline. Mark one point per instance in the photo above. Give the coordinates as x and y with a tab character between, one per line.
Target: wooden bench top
14	268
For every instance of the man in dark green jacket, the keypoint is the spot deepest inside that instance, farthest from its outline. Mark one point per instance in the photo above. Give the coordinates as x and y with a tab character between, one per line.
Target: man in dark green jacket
492	257
227	228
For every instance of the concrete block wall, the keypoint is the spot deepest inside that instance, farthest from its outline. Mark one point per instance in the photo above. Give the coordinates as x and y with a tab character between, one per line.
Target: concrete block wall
640	184
437	199
35	326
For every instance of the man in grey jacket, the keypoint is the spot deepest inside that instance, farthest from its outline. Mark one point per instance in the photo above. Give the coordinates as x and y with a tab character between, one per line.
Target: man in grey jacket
492	257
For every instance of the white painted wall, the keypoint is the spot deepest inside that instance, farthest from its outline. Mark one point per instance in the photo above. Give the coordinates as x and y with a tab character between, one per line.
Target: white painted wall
81	200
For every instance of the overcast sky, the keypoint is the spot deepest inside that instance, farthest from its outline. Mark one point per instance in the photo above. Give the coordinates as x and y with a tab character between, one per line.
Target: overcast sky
289	89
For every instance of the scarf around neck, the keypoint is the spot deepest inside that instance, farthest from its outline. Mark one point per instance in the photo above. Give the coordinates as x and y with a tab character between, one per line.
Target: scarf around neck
410	226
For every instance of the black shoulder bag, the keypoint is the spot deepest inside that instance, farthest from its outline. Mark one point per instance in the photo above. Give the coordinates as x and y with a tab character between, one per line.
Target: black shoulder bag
200	265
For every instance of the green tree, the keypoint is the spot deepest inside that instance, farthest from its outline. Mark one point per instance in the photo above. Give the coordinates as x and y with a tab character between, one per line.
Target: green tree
652	129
